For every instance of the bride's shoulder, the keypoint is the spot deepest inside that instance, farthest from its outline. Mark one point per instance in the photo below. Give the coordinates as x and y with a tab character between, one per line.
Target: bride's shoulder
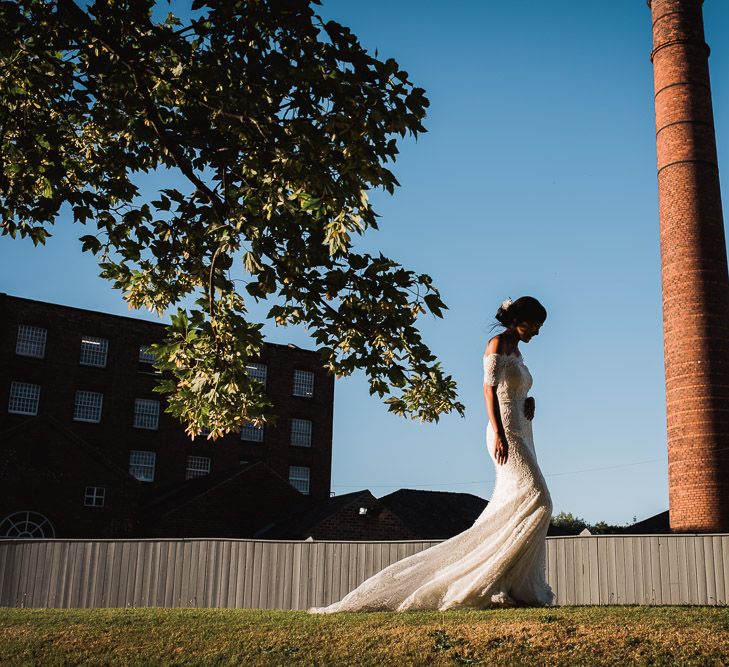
495	346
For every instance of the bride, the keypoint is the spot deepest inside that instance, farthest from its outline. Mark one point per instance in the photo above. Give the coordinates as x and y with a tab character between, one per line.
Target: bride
500	560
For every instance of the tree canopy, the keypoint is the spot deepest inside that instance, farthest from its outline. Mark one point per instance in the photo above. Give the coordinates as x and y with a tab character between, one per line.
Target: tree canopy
280	123
573	525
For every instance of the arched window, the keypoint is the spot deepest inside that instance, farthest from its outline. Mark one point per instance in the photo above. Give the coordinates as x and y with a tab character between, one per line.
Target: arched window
26	524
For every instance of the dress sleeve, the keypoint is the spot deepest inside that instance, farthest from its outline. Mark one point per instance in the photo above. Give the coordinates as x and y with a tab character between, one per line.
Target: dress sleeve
492	368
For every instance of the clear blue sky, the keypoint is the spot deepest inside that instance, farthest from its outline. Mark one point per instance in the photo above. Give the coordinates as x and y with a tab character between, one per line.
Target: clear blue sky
537	176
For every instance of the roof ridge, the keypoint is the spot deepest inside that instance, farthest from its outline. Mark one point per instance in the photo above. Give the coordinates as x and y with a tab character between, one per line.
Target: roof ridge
214	480
431	492
156	323
321	509
96	452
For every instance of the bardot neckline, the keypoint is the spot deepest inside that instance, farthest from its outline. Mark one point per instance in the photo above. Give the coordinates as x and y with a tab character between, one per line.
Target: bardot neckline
498	354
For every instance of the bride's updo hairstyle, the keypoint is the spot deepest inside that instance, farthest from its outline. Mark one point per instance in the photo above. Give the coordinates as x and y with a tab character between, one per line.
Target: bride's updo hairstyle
524	309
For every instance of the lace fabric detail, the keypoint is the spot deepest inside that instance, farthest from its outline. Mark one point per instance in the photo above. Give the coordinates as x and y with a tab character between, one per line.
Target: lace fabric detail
509	374
495	365
501	559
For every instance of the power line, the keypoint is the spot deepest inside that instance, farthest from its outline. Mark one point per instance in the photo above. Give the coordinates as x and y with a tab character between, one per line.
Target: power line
489	481
618	465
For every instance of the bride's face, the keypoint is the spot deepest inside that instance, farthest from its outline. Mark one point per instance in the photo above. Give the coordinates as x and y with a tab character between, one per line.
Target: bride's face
527	330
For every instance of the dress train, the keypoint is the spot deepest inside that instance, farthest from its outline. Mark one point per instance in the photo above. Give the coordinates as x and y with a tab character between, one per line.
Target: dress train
500	560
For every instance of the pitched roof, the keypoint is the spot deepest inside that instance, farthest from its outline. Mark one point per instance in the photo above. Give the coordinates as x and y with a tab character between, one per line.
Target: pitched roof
435	514
174	497
658	523
299	523
45	420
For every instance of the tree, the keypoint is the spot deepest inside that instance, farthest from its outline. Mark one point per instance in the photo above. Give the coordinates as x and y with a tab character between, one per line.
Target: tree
568	522
574	525
280	123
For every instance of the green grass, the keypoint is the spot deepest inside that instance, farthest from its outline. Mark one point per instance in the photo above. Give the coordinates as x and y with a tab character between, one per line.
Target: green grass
548	636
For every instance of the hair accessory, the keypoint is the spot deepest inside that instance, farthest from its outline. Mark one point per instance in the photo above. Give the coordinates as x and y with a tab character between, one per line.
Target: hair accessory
505	304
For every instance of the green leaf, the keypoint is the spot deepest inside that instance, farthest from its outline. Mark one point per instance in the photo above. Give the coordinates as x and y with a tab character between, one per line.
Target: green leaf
90	243
274	132
435	305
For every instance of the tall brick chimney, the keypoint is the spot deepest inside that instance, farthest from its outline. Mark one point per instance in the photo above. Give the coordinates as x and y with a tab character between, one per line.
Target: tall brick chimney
694	272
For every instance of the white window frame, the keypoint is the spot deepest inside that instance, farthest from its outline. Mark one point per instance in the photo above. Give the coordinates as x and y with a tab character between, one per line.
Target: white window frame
142	464
301	430
300	478
31	341
94	351
93	494
197	466
24	398
146	414
84	407
251	433
303	383
26	523
258	371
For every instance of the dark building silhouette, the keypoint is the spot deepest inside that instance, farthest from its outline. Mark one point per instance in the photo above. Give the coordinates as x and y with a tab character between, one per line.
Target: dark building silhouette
658	523
435	514
55	484
87	449
694	272
356	516
231	503
407	514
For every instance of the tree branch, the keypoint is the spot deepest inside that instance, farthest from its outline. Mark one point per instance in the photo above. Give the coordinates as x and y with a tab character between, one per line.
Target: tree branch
129	59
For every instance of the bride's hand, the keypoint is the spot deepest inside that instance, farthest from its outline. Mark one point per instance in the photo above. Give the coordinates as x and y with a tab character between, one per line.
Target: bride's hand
529	408
501	449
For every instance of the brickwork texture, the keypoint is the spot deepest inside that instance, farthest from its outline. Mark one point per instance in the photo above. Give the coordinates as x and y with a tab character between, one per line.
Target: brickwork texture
39	465
695	285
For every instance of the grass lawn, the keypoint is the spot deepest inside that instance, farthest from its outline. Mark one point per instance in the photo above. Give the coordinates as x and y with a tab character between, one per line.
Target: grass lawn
547	636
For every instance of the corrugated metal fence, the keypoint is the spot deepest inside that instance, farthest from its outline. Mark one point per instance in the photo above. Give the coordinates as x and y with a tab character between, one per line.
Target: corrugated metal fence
197	572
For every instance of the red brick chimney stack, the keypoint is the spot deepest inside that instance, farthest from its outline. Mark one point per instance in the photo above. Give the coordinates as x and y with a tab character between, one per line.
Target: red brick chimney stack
694	272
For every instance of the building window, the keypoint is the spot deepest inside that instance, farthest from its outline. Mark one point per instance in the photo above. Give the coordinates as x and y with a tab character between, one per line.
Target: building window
197	466
145	356
87	407
146	414
301	432
304	383
141	465
204	432
299	478
24	398
147	360
93	351
94	496
26	524
252	433
31	341
258	371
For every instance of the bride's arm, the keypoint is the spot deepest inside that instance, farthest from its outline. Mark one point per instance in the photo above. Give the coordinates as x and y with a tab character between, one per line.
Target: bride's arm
493	410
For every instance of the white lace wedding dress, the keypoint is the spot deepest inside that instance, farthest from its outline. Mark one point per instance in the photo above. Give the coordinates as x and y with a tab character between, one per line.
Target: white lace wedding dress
500	560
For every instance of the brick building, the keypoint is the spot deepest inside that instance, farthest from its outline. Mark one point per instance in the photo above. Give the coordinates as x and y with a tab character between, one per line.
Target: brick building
78	411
